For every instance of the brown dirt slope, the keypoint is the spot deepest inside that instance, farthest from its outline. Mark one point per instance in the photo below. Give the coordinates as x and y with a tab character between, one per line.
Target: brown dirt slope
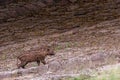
86	34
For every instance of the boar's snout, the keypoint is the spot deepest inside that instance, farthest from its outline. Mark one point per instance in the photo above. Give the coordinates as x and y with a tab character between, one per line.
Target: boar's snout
51	52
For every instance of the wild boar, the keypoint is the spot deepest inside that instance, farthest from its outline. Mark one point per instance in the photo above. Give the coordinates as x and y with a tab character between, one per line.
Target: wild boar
35	56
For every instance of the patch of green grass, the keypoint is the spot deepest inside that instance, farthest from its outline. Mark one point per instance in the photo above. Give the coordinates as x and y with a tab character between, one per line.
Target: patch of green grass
3	57
81	77
113	74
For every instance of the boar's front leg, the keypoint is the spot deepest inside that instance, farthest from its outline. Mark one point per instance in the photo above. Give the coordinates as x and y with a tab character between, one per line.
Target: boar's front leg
38	62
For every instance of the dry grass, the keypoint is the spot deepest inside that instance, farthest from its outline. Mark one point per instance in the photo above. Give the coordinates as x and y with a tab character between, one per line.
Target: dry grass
87	35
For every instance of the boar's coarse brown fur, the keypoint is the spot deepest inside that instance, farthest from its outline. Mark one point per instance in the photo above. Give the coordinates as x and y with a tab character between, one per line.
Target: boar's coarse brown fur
34	56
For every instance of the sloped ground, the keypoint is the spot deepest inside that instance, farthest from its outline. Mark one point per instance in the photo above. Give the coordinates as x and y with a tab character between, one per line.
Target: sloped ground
90	47
87	36
52	19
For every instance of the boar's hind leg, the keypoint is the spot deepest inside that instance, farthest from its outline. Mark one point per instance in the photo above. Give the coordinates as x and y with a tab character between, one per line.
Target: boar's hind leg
38	62
23	64
43	61
19	65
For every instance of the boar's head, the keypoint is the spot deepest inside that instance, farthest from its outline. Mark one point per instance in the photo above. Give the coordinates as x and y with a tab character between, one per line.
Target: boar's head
50	51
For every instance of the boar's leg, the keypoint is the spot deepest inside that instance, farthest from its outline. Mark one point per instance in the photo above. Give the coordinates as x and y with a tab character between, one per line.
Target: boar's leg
19	66
23	64
38	62
43	61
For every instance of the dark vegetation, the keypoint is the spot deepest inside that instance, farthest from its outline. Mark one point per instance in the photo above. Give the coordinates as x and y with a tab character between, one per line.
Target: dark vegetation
20	21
